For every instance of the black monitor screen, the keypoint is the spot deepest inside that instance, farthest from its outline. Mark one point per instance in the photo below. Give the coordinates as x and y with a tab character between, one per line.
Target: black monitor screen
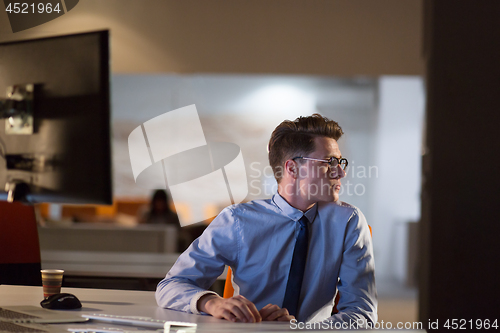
67	156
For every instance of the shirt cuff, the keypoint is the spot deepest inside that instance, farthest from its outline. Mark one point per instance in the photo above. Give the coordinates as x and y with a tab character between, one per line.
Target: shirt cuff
194	301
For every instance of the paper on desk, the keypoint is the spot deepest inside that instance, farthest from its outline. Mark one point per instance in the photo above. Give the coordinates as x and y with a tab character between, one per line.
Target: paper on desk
110	330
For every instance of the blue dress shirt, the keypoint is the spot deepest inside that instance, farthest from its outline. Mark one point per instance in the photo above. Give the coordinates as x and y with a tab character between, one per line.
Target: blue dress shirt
256	239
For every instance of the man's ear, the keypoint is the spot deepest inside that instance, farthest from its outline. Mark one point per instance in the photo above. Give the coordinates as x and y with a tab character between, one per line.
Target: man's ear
292	169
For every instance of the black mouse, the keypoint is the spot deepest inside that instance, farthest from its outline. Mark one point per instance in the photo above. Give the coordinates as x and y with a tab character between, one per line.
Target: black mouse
61	302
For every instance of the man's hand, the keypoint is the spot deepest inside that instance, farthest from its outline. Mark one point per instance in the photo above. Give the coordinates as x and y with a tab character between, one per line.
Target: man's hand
273	312
234	309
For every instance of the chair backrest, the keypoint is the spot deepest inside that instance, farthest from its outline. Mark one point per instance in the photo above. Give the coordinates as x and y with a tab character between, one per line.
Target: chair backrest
229	290
20	261
228	286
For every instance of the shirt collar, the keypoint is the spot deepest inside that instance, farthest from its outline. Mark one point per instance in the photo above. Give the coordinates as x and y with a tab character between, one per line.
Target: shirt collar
292	212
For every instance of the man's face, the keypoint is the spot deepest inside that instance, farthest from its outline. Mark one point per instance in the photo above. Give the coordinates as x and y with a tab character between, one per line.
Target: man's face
316	181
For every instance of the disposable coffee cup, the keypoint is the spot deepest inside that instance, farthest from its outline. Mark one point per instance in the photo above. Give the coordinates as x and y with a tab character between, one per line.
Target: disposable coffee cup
51	281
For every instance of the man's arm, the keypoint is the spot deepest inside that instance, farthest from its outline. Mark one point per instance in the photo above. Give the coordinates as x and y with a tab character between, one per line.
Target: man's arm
185	286
358	294
199	266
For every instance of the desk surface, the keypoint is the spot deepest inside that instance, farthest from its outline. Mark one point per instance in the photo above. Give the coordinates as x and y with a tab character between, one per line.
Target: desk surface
135	303
117	302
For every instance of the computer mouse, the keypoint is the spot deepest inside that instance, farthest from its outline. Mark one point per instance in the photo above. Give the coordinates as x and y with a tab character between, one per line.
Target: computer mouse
61	302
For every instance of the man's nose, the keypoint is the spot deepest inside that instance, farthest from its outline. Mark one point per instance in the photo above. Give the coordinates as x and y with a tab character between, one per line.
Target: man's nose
338	173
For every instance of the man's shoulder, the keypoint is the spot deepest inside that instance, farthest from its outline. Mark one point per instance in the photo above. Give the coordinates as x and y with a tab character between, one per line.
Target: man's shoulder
341	216
339	211
260	206
339	207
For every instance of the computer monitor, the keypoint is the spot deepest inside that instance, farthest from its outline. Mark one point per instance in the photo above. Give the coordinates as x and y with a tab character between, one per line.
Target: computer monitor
55	120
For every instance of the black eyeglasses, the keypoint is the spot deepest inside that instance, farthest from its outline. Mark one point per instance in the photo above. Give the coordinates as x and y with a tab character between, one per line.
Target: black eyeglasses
332	161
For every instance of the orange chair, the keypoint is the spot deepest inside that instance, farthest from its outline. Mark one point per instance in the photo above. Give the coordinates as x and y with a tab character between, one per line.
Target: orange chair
20	261
228	287
229	290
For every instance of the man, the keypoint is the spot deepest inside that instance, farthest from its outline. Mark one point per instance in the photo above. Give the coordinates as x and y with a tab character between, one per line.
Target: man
288	254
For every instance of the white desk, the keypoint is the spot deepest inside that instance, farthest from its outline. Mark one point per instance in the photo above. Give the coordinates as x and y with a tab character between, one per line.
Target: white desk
137	303
124	303
118	302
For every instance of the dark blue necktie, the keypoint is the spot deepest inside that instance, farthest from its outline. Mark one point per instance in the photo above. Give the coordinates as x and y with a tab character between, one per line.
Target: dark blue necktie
292	293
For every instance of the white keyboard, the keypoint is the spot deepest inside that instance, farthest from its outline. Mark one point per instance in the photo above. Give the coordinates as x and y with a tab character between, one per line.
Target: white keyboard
136	321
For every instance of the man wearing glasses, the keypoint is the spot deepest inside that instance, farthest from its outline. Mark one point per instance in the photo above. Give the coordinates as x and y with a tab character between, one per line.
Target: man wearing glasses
289	254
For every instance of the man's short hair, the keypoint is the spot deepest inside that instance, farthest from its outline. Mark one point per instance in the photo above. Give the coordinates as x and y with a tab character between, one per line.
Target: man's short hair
296	138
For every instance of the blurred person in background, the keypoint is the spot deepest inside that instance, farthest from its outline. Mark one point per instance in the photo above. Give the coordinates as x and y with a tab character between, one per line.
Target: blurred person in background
159	211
